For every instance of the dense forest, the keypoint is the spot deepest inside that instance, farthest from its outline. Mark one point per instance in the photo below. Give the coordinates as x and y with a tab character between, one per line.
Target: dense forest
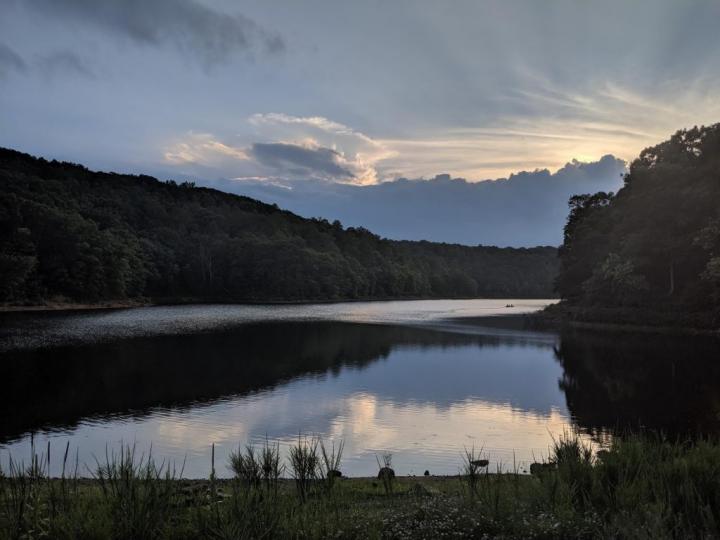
656	243
71	234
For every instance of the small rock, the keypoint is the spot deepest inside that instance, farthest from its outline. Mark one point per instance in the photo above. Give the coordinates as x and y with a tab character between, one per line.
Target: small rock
539	468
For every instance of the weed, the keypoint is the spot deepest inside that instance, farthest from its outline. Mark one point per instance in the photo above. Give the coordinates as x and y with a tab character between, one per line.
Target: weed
304	462
330	465
386	473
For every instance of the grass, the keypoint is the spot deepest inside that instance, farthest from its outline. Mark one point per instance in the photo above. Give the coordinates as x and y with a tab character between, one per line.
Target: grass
642	487
305	464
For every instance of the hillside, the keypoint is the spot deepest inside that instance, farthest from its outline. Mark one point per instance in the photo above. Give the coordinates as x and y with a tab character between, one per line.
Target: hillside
71	234
655	245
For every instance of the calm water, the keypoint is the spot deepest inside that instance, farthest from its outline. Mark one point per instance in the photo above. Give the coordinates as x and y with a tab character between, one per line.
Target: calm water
411	378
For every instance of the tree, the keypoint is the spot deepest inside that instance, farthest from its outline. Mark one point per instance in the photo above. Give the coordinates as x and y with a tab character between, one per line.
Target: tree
658	237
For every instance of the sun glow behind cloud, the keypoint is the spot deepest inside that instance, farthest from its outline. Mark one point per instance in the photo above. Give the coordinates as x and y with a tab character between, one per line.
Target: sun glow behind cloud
563	126
613	120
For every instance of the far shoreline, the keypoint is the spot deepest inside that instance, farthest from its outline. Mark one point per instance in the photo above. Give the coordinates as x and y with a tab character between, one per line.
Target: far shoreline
639	320
51	307
554	317
549	320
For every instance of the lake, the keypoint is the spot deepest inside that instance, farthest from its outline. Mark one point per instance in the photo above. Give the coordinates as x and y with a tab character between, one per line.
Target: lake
423	380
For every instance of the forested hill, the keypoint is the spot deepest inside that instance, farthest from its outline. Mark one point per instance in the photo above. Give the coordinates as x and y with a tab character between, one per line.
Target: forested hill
656	244
67	233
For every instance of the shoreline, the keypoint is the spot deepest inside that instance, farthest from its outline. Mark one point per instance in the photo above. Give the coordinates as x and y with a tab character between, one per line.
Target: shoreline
128	304
558	316
289	481
554	317
643	329
72	306
540	321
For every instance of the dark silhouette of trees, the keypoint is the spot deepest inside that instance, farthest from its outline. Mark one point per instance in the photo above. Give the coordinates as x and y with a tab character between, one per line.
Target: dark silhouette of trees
72	234
657	241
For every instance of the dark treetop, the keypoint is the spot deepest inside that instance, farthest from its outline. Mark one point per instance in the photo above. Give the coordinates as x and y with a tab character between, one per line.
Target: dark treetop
73	234
656	244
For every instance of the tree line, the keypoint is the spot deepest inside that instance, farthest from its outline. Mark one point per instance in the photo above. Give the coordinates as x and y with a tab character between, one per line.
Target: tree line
72	234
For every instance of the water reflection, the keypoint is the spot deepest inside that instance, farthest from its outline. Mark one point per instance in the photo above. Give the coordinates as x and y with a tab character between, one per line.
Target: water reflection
58	386
420	393
632	382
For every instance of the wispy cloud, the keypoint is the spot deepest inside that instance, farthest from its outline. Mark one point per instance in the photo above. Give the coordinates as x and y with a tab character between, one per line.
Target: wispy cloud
193	28
555	126
203	149
10	61
319	122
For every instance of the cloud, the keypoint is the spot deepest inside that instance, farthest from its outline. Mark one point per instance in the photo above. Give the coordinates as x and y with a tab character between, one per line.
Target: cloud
553	126
195	29
541	125
10	61
525	209
435	89
205	150
352	150
284	149
303	161
319	122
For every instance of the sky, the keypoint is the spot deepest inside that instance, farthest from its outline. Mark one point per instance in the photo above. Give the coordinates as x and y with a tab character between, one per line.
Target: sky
272	97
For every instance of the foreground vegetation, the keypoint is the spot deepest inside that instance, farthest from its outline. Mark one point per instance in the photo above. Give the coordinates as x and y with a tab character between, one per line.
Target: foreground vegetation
67	233
640	488
649	254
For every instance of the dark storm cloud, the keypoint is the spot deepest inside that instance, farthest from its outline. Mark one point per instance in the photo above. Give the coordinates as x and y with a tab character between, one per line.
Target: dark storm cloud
193	28
526	209
10	61
292	159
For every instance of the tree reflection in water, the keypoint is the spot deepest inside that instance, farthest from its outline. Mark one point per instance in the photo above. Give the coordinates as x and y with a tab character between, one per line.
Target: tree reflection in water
631	382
